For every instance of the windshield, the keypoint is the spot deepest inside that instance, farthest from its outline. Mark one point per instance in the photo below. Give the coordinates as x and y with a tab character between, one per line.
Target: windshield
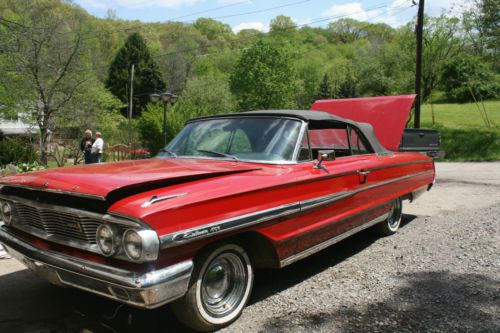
251	139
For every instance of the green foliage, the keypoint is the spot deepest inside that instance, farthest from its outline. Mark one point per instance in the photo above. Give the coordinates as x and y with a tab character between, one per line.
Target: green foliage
282	27
284	68
464	136
16	150
147	78
150	126
264	78
22	167
325	90
212	29
470	144
202	96
467	78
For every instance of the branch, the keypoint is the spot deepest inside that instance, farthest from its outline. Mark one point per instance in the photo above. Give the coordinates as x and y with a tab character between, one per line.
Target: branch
65	66
69	96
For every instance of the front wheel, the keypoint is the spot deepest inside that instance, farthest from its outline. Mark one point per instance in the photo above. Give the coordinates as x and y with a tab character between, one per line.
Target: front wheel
391	225
218	291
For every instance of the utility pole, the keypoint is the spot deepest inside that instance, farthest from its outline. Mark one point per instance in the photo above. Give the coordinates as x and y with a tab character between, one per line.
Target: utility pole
131	97
418	69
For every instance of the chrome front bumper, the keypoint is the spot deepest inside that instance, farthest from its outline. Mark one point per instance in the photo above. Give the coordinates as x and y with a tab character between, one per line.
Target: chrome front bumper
145	290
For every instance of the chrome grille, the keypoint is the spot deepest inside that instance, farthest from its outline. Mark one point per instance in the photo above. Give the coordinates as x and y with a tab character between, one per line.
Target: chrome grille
58	223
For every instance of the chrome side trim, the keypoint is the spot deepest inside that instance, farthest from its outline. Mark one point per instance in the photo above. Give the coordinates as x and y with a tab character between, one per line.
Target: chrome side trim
326	200
244	221
227	225
147	290
331	241
398	164
54	190
154	199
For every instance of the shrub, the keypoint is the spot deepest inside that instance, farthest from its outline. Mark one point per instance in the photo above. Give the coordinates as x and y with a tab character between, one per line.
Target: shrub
467	75
16	150
23	167
470	144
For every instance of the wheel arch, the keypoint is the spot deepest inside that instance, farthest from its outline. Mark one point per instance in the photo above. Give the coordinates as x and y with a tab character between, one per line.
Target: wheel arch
259	248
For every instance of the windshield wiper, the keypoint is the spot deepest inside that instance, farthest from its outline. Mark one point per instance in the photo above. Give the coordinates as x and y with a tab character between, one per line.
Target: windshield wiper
218	153
163	150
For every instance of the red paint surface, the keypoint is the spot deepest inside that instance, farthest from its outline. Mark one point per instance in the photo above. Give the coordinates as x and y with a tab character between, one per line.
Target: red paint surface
101	179
387	114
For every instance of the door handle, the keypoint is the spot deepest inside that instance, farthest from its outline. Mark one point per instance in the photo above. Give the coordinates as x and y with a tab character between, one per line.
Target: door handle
363	175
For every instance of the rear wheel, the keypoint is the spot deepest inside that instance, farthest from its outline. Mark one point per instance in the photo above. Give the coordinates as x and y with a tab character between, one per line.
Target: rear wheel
218	291
391	225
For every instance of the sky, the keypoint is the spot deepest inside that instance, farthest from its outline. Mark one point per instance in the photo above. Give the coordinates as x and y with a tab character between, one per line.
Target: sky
256	14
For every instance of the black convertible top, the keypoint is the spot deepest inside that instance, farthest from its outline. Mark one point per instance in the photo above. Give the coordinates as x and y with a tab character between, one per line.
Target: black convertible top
315	119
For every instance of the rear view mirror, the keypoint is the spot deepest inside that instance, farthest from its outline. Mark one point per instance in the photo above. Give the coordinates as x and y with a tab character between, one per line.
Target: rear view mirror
326	155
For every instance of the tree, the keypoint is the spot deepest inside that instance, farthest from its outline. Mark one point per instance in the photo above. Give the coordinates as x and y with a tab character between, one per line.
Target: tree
43	49
147	77
466	78
282	26
347	30
264	77
481	23
325	89
441	43
202	96
213	29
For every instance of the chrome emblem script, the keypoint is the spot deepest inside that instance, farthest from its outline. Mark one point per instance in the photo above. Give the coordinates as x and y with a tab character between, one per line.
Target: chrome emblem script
73	225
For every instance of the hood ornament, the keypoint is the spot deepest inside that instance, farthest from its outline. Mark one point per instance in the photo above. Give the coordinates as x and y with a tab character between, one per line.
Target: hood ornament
154	199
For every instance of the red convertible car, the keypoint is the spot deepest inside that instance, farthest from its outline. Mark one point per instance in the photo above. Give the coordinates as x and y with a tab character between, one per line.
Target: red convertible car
230	194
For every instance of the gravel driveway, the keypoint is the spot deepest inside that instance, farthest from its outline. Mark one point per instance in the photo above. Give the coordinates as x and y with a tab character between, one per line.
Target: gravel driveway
440	273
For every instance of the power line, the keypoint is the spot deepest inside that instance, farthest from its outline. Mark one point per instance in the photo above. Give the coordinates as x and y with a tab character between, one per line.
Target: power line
209	10
261	10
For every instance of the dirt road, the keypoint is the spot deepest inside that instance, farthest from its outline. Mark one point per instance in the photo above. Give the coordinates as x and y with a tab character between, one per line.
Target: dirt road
440	273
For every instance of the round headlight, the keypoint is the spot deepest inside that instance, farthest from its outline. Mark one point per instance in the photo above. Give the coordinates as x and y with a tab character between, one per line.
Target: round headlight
7	212
132	242
141	245
107	240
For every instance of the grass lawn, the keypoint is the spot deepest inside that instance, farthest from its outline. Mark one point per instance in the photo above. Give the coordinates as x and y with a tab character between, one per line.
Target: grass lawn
461	115
464	134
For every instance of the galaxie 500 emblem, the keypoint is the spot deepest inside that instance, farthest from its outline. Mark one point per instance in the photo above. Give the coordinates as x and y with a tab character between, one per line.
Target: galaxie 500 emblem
73	225
196	233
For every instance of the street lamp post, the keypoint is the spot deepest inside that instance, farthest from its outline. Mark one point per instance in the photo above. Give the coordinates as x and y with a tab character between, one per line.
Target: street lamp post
167	98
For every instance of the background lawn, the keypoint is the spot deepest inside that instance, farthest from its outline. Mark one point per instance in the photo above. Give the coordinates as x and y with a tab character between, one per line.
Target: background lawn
461	115
464	134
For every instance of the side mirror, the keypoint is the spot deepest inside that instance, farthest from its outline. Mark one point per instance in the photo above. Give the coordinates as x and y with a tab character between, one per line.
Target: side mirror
324	155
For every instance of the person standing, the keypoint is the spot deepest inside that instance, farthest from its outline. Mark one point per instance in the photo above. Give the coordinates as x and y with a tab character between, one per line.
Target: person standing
86	146
97	148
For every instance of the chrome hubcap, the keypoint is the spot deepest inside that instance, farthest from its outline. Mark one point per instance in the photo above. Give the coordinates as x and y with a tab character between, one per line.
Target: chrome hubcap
395	215
223	284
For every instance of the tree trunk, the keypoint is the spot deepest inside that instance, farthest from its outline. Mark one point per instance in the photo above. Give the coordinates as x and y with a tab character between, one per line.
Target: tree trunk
43	145
44	135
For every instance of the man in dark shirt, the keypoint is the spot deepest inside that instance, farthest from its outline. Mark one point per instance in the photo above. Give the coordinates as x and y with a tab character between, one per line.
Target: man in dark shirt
86	146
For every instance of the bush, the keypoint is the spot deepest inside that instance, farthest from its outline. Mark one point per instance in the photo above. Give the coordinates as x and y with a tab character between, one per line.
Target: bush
470	144
469	73
23	167
16	150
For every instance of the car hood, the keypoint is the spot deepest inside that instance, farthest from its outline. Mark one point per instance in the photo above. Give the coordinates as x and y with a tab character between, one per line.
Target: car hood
101	181
387	114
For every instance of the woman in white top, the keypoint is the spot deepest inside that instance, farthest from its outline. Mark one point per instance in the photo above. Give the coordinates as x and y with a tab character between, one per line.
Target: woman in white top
97	148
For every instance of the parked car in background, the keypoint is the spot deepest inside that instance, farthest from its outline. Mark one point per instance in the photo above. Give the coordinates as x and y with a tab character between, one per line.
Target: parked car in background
229	195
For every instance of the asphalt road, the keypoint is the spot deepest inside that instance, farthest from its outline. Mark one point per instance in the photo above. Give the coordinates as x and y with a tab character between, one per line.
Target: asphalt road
440	273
